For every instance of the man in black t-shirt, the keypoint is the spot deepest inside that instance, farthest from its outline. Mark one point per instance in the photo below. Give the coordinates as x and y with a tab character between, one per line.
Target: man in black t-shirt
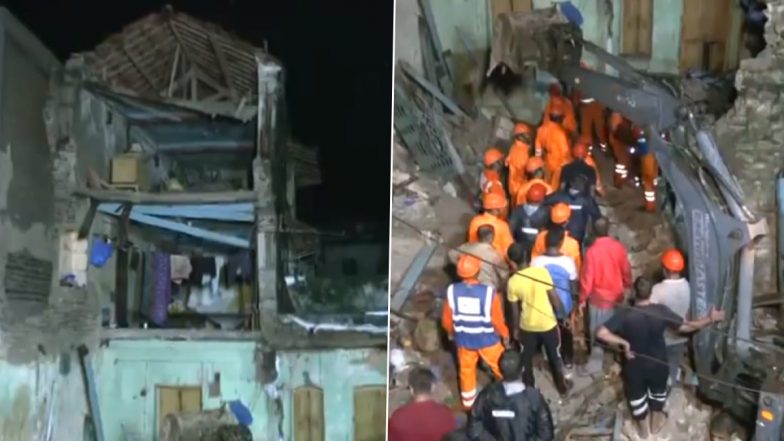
639	331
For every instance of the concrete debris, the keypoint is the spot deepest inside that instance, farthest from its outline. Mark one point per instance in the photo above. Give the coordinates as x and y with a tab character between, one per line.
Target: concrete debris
764	319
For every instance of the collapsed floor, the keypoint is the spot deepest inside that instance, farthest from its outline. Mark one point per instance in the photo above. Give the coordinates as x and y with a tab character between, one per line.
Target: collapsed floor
425	209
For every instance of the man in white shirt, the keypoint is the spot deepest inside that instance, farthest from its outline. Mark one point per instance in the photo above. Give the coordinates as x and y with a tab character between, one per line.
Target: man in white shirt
675	293
563	271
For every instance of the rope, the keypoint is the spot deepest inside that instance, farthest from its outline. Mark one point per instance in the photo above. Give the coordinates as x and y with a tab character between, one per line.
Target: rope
440	243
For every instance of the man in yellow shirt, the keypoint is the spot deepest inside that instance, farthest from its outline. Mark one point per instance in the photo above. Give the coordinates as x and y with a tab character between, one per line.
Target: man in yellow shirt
534	301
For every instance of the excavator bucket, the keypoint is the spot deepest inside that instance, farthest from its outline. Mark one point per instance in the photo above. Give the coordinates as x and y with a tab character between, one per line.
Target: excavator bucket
542	38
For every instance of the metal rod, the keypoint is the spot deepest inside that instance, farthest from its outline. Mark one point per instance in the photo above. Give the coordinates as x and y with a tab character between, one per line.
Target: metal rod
413	273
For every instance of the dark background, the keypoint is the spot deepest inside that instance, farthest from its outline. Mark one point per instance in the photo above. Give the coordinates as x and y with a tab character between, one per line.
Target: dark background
338	58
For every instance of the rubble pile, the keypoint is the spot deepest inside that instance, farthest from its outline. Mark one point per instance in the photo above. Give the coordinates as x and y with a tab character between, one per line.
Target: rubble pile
751	134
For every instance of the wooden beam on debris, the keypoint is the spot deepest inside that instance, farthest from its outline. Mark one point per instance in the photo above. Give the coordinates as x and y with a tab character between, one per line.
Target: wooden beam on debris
167	198
138	66
223	65
173	74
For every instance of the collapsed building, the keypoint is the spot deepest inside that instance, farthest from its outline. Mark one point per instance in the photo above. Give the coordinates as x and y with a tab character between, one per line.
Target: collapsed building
156	281
451	104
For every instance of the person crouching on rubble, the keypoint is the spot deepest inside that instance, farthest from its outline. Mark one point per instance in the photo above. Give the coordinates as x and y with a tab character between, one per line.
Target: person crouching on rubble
528	219
674	292
535	306
494	205
559	218
473	317
424	418
639	332
508	410
534	172
494	270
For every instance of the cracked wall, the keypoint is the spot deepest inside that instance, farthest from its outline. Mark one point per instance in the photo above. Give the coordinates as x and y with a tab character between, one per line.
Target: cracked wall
751	136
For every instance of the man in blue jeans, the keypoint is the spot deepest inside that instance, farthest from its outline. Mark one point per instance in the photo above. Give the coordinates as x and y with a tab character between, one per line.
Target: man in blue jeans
563	271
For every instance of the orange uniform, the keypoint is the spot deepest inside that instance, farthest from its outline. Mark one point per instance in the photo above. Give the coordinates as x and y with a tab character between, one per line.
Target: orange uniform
592	122
491	183
570	248
468	358
553	142
521	195
563	103
649	170
620	149
515	163
502	239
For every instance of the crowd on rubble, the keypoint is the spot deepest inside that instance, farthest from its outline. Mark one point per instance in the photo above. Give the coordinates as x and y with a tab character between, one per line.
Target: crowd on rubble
538	263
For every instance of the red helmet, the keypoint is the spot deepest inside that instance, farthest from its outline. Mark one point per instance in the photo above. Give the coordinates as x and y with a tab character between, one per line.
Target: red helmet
672	260
536	193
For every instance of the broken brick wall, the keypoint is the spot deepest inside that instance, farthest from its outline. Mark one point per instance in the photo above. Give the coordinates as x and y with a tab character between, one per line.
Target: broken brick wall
751	138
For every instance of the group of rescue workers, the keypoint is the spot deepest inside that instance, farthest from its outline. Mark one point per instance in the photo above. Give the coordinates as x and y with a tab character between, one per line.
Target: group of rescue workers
527	262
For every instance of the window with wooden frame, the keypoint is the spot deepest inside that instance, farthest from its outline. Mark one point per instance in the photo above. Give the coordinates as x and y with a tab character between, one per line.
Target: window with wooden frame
308	414
637	28
176	399
370	413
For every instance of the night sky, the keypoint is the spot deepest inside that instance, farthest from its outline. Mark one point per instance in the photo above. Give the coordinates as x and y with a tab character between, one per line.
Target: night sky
338	57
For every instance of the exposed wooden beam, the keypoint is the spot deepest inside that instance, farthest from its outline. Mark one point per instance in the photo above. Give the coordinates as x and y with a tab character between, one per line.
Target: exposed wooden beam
167	198
138	66
223	65
173	71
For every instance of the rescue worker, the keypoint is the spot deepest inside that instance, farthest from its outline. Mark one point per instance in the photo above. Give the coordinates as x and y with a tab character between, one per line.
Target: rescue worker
593	123
559	217
491	181
510	411
639	331
494	270
552	143
620	148
675	293
528	219
563	271
517	159
603	282
649	169
582	164
424	418
535	306
559	101
473	317
534	172
582	207
494	205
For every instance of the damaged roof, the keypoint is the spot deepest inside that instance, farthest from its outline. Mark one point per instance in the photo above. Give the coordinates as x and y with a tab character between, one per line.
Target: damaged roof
165	52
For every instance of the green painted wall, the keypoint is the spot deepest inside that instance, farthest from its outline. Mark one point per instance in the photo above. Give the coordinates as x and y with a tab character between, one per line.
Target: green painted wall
130	370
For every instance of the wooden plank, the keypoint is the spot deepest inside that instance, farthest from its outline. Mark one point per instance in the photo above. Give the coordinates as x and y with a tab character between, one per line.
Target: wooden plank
223	65
629	27
171	198
644	27
498	7
308	414
522	5
370	413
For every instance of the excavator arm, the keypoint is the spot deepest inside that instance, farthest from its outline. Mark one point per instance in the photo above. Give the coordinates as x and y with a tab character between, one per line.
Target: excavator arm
716	230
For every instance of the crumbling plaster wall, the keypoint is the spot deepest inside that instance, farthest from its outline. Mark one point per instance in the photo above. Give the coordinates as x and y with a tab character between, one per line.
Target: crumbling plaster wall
751	136
130	371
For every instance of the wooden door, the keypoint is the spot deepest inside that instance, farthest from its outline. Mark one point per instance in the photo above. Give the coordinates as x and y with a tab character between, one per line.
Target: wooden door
370	413
637	28
705	27
308	414
178	399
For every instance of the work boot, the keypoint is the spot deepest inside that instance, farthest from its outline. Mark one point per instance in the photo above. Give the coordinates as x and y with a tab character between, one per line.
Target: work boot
562	385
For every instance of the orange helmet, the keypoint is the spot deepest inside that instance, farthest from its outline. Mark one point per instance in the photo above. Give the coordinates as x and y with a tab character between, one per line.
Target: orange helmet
536	193
554	89
468	266
534	163
560	213
493	201
522	129
672	260
492	155
580	150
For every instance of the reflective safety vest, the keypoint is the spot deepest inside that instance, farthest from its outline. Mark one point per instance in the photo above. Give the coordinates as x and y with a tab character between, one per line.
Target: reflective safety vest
472	315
